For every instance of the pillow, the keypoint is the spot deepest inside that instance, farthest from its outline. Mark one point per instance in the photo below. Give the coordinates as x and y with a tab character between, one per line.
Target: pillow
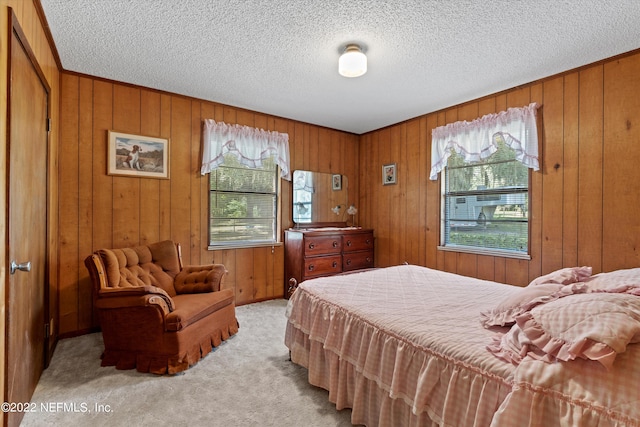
594	326
616	281
524	300
564	276
511	347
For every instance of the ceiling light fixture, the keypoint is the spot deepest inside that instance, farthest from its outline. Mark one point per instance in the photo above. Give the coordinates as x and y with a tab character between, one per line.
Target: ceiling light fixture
352	63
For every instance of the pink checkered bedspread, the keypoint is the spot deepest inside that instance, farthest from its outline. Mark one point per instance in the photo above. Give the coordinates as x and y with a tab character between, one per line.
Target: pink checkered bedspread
404	346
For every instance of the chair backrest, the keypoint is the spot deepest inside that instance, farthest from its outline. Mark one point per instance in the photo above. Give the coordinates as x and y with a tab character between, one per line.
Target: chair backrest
156	264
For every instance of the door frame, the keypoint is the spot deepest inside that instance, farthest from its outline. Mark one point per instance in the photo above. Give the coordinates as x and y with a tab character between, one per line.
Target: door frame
15	31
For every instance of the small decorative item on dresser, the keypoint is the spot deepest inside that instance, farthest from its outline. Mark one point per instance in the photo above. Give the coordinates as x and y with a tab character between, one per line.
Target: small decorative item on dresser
352	211
389	174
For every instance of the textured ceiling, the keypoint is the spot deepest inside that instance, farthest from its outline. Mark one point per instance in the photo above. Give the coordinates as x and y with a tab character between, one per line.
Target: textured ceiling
281	56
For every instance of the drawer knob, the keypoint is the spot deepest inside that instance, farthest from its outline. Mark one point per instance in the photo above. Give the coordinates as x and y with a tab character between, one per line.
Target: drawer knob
312	245
311	267
335	264
348	262
368	242
348	242
335	244
368	260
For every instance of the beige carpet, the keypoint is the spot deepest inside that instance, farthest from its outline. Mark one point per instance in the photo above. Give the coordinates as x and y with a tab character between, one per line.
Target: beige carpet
246	381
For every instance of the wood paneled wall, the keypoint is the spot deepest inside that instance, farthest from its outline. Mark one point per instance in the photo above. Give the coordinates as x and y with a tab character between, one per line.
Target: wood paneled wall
102	211
28	18
585	200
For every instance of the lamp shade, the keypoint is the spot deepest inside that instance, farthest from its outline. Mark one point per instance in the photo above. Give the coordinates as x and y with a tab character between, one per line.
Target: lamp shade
352	63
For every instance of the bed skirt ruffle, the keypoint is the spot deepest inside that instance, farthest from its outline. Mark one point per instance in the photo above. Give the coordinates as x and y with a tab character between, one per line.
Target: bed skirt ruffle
575	393
385	380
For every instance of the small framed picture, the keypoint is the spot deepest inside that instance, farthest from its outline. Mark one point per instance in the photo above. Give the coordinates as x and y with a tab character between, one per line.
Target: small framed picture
389	174
336	182
136	155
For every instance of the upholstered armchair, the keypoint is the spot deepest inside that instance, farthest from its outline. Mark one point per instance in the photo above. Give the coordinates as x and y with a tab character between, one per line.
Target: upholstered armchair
157	315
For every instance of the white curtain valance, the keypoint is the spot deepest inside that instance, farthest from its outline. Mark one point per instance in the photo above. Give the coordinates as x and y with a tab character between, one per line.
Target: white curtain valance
478	139
303	181
250	146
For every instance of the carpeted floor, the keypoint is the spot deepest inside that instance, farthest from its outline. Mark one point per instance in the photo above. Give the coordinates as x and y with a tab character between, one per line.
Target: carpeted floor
246	381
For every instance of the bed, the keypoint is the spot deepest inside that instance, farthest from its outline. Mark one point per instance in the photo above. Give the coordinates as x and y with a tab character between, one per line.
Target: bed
411	346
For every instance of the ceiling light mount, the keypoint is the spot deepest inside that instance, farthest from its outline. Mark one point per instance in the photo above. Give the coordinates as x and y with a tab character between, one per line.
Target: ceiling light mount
352	62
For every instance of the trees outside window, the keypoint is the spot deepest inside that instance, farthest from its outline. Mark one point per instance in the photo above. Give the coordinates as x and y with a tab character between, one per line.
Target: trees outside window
243	203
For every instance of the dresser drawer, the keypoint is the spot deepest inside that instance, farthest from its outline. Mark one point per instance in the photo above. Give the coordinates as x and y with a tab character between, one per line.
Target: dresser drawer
318	252
357	242
357	260
322	265
320	245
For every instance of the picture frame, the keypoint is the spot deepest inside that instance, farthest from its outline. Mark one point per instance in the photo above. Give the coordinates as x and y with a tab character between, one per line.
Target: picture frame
336	182
389	174
137	155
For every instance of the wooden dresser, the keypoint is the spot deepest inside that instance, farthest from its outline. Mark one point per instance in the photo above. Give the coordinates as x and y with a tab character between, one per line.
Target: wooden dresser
326	251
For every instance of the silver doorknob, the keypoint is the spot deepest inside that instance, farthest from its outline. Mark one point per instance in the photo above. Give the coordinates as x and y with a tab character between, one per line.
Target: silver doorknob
25	266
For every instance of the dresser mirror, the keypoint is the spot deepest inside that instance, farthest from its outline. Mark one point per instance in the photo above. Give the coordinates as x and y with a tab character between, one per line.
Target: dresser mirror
319	198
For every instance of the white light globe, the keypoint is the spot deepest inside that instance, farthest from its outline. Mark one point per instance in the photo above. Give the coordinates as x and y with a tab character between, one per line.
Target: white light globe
352	63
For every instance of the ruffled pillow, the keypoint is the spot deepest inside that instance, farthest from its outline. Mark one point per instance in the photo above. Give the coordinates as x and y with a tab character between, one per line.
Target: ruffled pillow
512	346
564	276
525	299
618	281
594	326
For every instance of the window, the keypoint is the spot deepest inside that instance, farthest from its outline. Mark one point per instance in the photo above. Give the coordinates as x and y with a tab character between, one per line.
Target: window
243	164
485	181
486	203
243	203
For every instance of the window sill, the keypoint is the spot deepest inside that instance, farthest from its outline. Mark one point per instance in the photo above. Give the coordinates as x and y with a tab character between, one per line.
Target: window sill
242	246
488	252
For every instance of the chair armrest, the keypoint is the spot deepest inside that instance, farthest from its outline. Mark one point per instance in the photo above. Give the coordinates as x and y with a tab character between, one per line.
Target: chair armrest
134	296
195	279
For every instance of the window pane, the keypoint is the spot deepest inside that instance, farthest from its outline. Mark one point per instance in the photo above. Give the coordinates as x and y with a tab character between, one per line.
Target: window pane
492	220
487	175
235	177
243	203
246	180
486	204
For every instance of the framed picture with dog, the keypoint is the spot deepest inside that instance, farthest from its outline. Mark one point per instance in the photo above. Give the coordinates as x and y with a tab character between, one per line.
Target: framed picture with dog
136	155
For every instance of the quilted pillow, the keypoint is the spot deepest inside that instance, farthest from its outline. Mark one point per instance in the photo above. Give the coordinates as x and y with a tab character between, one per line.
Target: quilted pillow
564	276
616	281
524	300
595	326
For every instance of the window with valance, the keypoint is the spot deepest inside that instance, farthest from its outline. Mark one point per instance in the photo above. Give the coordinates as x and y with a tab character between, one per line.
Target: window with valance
251	146
485	182
243	164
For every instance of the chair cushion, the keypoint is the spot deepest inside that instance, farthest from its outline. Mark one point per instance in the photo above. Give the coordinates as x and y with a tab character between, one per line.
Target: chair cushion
153	265
194	279
192	307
